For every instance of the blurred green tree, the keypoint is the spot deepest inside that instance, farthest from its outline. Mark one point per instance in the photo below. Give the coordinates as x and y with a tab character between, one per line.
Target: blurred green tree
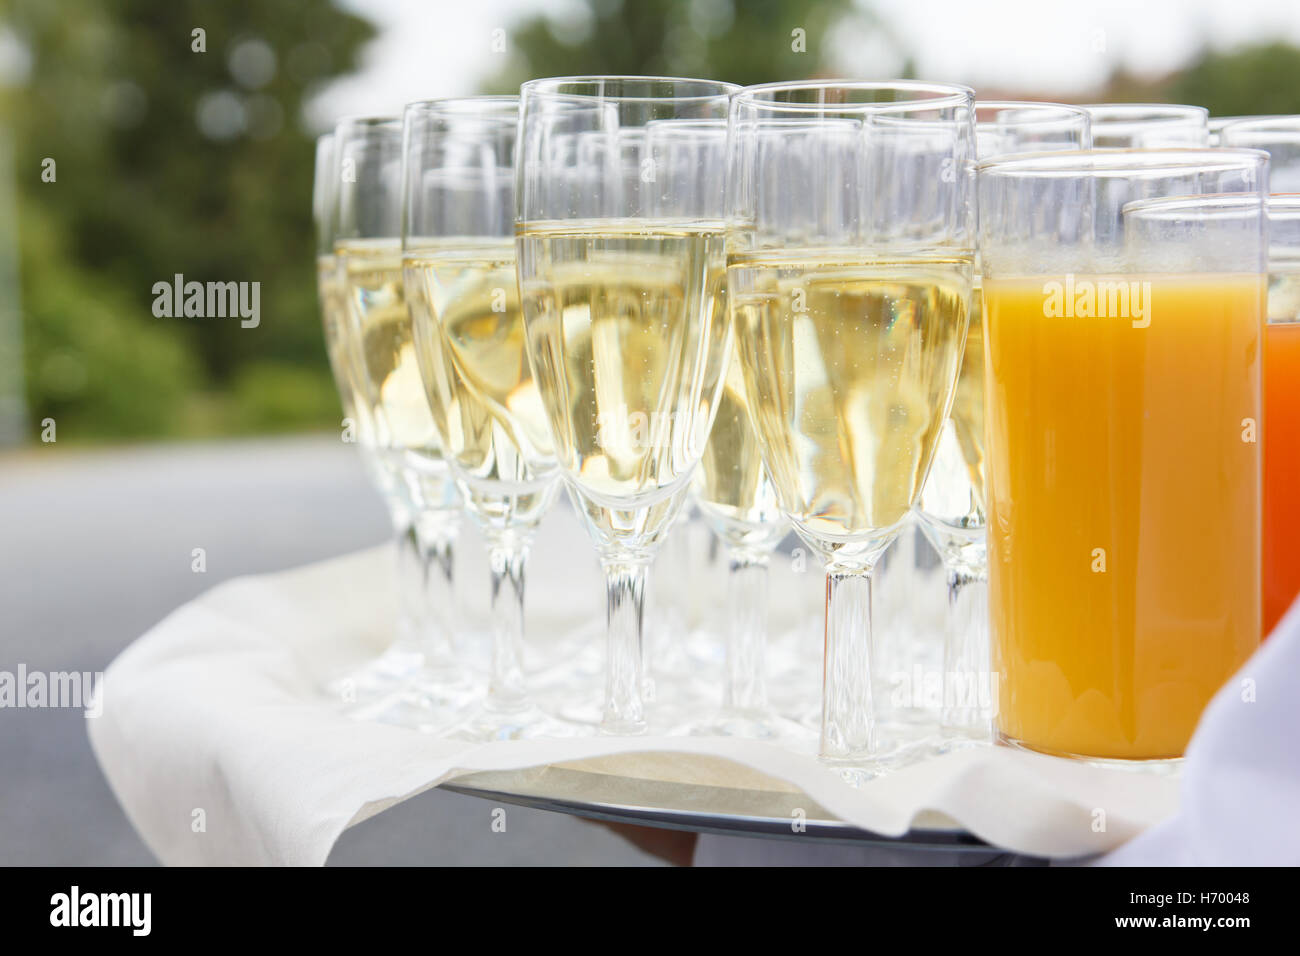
175	151
1253	80
756	41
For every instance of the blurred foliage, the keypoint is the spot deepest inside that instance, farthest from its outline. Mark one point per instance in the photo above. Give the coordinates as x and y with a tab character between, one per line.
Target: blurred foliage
92	365
1247	81
170	161
1256	80
745	43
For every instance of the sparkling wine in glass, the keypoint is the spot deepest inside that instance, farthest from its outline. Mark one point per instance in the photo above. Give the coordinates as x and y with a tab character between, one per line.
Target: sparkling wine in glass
368	249
463	293
849	270
620	264
403	657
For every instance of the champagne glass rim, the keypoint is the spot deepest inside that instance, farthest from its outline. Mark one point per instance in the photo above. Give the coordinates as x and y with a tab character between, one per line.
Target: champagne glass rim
1121	117
934	95
366	129
362	120
1076	162
688	124
1057	110
497	103
1171	110
552	87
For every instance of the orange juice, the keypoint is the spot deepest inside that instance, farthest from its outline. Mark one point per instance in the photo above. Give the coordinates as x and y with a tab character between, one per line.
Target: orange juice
1281	468
1123	477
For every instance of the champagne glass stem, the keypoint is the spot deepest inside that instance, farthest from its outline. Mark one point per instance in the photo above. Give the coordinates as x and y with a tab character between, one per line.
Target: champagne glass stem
967	684
625	618
747	607
848	716
437	531
508	553
410	586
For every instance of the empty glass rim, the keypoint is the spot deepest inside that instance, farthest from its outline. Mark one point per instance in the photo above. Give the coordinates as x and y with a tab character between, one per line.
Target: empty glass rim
1083	162
551	87
1145	112
1204	205
368	122
1059	111
1283	128
1271	121
687	124
932	96
495	104
796	122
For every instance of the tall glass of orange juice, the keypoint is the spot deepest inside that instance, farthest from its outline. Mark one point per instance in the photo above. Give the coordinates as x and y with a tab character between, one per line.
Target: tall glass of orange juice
1282	411
1123	311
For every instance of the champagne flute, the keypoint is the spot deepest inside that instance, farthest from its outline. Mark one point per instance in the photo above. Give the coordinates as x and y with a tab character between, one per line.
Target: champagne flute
619	266
952	502
458	258
368	250
849	269
402	658
1148	125
731	488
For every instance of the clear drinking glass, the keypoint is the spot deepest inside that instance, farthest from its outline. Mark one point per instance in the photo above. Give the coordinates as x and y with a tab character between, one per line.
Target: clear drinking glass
368	251
1281	568
1217	123
952	505
850	250
458	258
1279	136
620	262
1124	340
731	488
402	658
1148	125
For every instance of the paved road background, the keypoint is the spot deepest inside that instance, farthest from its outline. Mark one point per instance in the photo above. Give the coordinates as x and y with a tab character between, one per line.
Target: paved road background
95	549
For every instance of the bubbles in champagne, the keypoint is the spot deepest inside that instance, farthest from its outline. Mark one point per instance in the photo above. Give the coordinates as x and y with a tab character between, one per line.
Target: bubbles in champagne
850	365
628	353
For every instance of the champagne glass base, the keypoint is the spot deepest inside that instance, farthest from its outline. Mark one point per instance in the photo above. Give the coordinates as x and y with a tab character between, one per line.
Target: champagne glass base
623	728
429	700
527	723
951	741
754	725
660	719
410	710
588	711
376	677
573	663
889	757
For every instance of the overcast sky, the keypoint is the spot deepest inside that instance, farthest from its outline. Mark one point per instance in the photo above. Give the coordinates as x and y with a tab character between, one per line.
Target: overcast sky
443	47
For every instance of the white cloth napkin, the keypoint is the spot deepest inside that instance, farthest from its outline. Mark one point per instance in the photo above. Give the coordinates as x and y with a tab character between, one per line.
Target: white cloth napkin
218	742
1241	776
